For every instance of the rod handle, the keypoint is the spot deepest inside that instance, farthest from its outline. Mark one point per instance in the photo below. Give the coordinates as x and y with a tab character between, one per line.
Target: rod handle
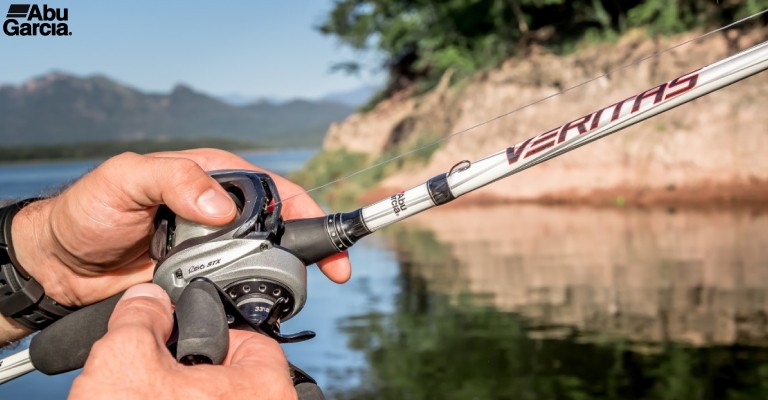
65	345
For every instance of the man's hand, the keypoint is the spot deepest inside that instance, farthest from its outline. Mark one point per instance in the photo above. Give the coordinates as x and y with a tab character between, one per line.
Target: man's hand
92	240
132	362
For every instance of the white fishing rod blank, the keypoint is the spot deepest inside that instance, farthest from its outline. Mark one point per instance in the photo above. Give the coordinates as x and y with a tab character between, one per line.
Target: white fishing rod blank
316	238
552	143
15	366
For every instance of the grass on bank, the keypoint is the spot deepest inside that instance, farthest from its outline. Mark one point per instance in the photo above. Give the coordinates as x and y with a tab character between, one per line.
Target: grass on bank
332	165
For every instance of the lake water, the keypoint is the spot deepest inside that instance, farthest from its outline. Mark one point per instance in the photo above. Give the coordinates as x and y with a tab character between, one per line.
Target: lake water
522	302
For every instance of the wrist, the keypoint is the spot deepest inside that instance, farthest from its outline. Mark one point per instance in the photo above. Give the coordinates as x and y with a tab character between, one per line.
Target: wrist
34	249
10	331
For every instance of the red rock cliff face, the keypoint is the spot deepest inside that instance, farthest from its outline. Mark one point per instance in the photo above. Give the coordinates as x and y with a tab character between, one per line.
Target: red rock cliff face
710	150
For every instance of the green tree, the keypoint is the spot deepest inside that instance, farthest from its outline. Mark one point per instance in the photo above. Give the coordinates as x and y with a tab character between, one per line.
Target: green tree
421	39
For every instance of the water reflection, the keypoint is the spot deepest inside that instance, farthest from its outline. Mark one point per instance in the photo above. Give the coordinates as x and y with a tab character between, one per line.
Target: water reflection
531	302
647	275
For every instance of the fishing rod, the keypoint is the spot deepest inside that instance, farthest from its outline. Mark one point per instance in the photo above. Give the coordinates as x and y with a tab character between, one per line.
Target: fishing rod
250	274
342	230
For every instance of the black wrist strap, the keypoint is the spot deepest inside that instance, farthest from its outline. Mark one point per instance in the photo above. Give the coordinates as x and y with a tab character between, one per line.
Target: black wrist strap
21	296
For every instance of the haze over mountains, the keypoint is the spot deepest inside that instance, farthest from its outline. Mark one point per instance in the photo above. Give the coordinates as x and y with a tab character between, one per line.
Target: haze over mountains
353	98
62	108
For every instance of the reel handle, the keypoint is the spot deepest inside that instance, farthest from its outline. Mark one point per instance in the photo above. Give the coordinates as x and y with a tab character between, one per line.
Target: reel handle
202	325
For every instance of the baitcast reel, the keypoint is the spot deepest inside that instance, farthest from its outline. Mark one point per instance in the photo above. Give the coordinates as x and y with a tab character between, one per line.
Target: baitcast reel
235	276
241	258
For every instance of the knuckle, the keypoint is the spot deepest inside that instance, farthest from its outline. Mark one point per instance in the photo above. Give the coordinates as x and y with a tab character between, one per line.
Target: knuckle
103	350
122	160
113	167
184	172
185	167
101	346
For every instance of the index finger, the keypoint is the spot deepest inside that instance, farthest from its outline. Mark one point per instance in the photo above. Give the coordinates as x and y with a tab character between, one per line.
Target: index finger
300	205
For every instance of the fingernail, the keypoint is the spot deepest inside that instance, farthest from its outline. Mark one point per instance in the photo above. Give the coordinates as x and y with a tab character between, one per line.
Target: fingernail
215	203
148	290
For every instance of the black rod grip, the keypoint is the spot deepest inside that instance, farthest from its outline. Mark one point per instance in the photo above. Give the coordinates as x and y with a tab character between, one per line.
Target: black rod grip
308	239
313	239
65	345
203	328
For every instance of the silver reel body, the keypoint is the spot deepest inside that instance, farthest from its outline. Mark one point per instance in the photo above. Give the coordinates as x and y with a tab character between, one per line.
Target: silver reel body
237	262
241	258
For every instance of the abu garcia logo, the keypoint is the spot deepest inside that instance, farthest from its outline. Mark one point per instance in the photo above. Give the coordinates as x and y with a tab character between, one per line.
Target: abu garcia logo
398	203
32	20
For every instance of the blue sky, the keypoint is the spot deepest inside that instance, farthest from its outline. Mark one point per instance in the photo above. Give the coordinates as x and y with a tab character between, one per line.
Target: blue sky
252	48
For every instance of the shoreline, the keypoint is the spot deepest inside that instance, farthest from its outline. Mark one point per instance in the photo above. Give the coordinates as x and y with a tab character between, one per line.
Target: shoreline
45	160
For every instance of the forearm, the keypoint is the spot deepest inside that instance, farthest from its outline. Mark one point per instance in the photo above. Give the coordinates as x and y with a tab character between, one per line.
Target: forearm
10	331
25	247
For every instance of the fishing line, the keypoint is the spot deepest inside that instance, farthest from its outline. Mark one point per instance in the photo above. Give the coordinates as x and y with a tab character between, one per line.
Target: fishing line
543	99
305	241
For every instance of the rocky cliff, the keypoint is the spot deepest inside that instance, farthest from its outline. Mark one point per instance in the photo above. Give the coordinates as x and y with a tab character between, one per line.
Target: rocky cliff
709	150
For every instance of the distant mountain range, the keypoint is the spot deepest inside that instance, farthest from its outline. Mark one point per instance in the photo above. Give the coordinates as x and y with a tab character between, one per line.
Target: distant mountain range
354	98
62	108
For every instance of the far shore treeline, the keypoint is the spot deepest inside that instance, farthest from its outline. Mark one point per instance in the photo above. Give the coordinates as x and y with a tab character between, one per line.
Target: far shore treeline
104	149
59	115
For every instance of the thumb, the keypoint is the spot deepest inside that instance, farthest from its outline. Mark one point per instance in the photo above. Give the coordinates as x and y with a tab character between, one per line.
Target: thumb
178	182
132	349
144	312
